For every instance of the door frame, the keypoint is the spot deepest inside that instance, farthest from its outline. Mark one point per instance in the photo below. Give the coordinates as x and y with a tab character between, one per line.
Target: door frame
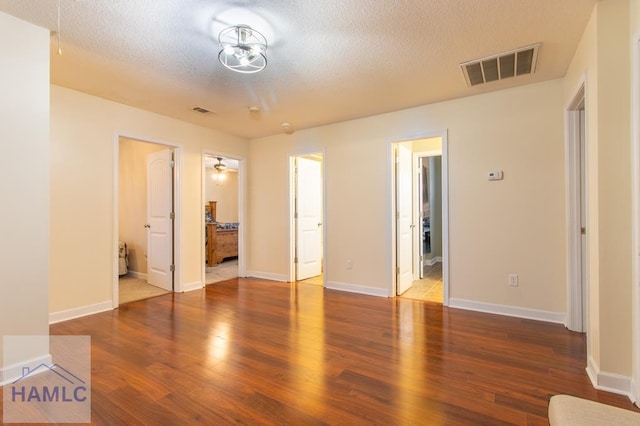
292	219
242	212
391	218
635	220
178	286
577	292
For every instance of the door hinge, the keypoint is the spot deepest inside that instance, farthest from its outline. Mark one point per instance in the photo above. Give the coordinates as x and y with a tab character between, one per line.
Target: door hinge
172	164
172	215
295	260
172	268
397	270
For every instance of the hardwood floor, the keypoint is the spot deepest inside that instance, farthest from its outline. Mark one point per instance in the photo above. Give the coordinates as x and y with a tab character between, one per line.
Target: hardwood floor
257	352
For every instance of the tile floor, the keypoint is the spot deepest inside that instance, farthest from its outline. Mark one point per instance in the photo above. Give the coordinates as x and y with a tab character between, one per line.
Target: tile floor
429	288
319	280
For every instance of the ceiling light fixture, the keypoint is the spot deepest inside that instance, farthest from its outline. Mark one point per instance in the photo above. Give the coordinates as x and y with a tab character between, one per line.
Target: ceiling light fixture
220	169
242	49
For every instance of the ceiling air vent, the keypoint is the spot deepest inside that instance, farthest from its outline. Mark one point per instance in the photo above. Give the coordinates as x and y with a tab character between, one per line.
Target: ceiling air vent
503	65
201	110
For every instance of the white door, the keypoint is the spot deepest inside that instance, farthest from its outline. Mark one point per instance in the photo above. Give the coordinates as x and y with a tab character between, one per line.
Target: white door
420	240
583	219
309	218
159	219
404	225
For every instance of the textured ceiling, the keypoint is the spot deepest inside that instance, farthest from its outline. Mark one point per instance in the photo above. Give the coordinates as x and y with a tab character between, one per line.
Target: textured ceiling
328	60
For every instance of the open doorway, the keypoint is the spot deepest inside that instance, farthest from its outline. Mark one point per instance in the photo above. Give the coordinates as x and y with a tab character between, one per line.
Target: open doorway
577	216
307	218
146	217
221	218
419	183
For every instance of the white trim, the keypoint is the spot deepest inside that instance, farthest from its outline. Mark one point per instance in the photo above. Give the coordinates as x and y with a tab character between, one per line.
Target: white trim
177	206
609	382
391	194
575	314
353	288
292	222
291	232
432	261
268	276
11	373
511	311
82	311
445	219
635	213
592	371
138	275
196	285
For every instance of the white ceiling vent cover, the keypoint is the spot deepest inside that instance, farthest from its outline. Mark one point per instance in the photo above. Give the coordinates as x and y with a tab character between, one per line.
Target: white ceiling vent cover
503	65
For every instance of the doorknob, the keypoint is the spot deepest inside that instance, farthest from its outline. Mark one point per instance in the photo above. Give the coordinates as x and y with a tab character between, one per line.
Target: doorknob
412	226
319	224
146	225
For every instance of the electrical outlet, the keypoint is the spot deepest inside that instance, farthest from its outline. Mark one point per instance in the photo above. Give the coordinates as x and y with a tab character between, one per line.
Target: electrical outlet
513	280
349	264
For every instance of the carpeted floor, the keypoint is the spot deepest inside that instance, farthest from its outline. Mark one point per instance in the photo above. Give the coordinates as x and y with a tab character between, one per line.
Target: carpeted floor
131	288
222	272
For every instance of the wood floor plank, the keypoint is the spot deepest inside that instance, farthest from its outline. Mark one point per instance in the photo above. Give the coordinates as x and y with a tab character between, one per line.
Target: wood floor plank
248	351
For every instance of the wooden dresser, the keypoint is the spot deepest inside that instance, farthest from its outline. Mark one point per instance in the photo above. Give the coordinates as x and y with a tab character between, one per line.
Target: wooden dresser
221	243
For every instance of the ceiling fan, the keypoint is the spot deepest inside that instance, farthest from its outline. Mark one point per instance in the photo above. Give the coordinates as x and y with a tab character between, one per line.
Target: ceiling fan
220	167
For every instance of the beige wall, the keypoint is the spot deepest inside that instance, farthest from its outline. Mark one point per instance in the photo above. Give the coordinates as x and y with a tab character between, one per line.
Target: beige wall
495	228
24	183
132	200
603	61
84	132
226	194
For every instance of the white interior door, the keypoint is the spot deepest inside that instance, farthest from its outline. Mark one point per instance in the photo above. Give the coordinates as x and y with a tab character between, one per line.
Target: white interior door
159	219
419	221
404	225
583	219
309	218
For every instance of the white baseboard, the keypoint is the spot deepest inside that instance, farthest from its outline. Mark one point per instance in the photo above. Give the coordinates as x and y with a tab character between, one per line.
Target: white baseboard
139	275
197	285
82	311
511	311
353	288
268	276
608	382
11	373
432	261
